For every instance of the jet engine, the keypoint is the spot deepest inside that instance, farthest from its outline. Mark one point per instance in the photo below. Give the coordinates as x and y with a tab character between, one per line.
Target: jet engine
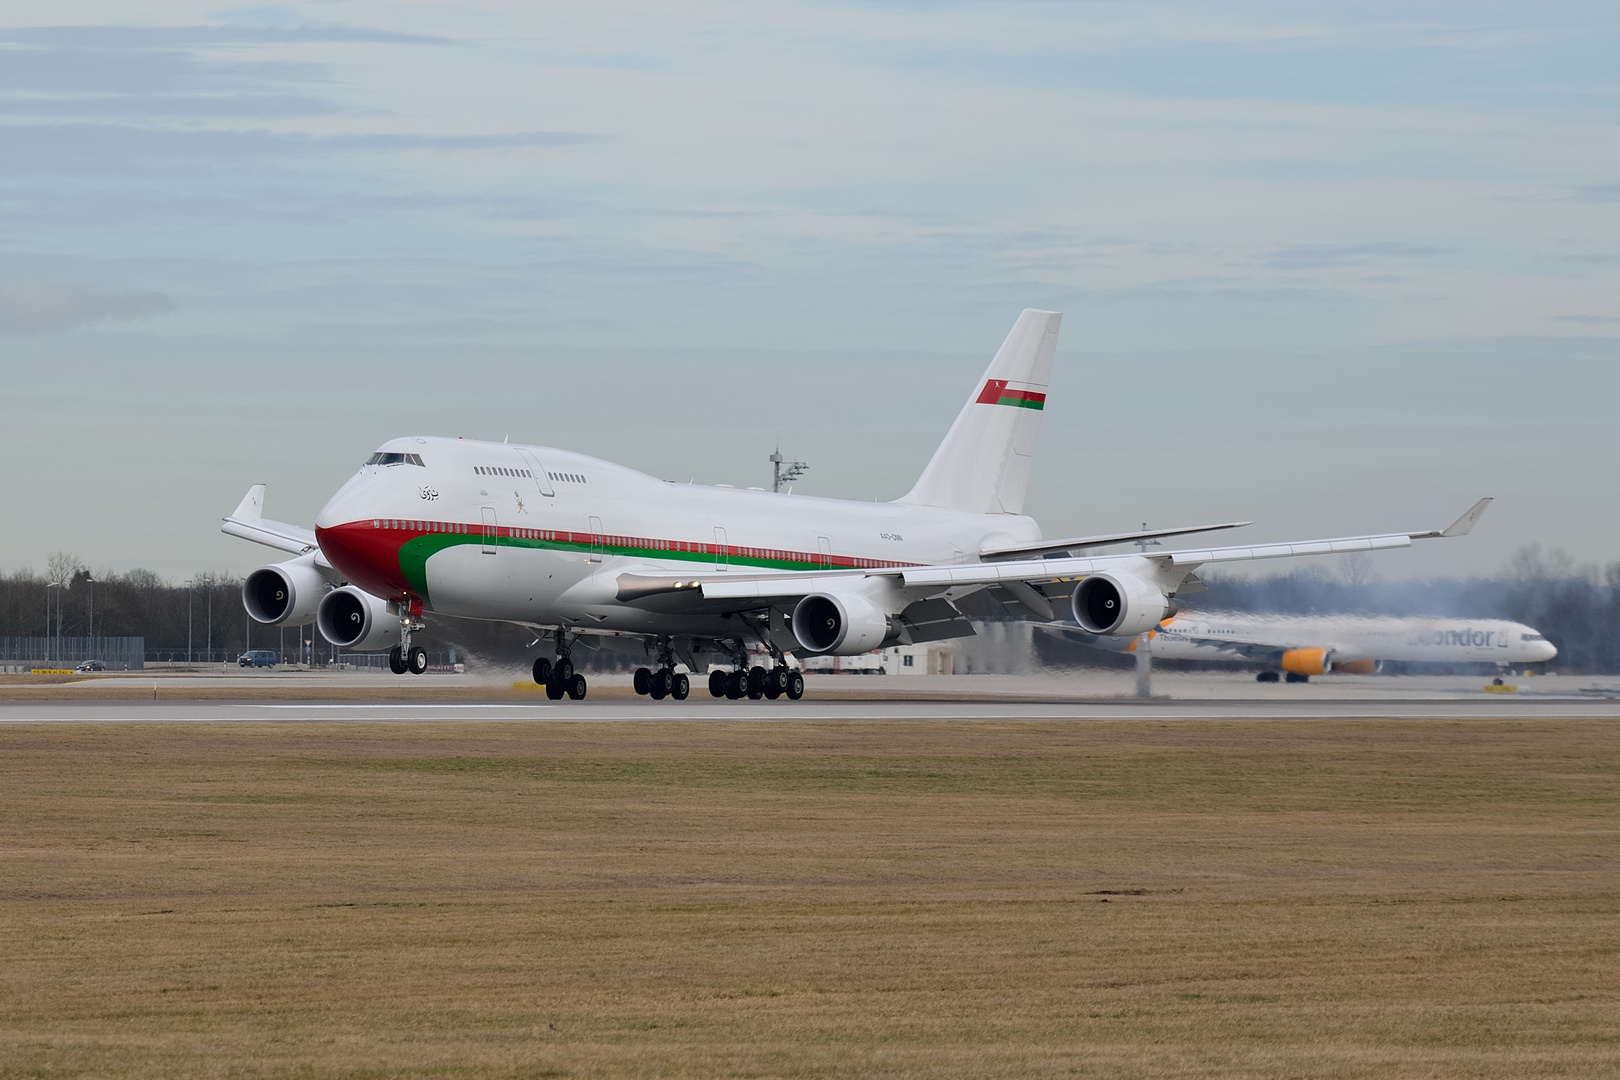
841	625
284	594
1123	605
1307	661
351	618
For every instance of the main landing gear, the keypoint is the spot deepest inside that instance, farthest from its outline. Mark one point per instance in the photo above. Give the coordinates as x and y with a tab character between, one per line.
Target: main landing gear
559	677
757	682
666	681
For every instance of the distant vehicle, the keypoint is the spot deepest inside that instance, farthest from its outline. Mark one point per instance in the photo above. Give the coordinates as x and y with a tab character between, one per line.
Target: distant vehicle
1296	648
91	665
257	658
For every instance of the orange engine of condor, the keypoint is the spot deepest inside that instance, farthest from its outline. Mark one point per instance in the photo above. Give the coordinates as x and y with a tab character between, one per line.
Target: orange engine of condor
1357	667
1305	661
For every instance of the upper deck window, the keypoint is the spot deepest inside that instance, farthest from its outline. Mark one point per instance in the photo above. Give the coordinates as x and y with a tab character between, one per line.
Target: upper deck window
381	458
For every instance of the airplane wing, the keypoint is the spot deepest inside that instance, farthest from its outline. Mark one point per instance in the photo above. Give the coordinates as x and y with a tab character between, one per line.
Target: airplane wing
1031	573
1080	543
248	522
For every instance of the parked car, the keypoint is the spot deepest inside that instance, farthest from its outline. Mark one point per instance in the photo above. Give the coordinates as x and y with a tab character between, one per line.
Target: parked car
257	658
91	665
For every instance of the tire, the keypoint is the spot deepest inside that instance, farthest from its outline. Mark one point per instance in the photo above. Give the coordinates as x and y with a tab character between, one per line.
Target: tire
717	684
642	681
576	687
563	670
656	689
554	690
396	660
756	683
542	670
682	686
417	660
1294	677
736	684
772	691
1266	676
663	681
795	686
779	679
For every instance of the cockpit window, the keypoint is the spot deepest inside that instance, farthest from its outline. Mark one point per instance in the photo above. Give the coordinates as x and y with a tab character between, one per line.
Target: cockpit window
1531	637
381	458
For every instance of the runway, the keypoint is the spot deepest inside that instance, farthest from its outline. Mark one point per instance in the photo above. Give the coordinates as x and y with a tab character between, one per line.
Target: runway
1515	707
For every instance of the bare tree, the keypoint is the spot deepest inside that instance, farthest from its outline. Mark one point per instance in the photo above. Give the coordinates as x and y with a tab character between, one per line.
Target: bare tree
62	567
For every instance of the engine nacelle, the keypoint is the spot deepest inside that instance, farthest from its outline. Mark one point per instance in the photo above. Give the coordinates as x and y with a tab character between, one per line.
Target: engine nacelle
1307	661
841	625
352	618
284	594
1119	604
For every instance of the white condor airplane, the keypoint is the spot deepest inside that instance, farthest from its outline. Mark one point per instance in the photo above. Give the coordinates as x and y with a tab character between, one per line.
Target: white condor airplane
569	545
1301	646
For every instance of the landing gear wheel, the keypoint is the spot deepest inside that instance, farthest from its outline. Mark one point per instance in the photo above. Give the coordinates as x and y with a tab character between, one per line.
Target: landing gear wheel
396	660
563	670
1266	676
681	687
554	689
756	683
542	671
795	686
642	681
576	687
717	684
1294	676
416	660
776	681
658	684
736	684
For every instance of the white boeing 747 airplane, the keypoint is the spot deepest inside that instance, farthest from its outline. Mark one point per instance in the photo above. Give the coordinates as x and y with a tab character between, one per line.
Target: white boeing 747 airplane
1301	646
569	545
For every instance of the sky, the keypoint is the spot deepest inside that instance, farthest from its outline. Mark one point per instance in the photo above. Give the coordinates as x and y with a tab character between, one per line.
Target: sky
1334	268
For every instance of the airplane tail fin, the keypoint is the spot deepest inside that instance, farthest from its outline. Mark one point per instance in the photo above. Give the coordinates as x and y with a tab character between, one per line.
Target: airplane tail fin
983	464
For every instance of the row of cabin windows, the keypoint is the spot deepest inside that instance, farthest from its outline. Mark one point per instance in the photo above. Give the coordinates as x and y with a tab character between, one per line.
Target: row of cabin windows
381	458
500	470
419	526
572	478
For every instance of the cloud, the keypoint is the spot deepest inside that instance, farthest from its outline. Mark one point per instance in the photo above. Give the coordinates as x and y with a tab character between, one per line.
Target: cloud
30	306
1331	256
52	149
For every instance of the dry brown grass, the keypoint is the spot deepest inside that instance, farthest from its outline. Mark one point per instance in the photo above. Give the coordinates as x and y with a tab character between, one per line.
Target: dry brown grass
1322	899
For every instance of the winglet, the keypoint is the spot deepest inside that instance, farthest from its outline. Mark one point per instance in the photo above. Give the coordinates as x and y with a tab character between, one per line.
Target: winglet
1462	525
251	508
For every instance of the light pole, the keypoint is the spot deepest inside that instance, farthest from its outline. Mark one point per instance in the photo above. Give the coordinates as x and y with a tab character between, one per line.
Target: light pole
90	621
49	585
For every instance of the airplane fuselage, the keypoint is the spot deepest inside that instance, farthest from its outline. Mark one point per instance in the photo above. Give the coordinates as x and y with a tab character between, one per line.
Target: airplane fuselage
540	535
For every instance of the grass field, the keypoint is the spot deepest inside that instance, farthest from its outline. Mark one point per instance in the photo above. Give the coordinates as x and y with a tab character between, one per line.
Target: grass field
1300	899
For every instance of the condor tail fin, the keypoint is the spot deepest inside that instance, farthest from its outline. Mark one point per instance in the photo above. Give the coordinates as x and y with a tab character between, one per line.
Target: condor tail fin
983	464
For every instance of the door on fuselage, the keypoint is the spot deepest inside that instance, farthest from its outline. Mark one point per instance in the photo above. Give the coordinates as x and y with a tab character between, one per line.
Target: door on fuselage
596	538
490	530
721	560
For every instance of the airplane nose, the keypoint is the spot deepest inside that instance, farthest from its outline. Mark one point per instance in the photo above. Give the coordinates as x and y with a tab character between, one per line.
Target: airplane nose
1546	651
